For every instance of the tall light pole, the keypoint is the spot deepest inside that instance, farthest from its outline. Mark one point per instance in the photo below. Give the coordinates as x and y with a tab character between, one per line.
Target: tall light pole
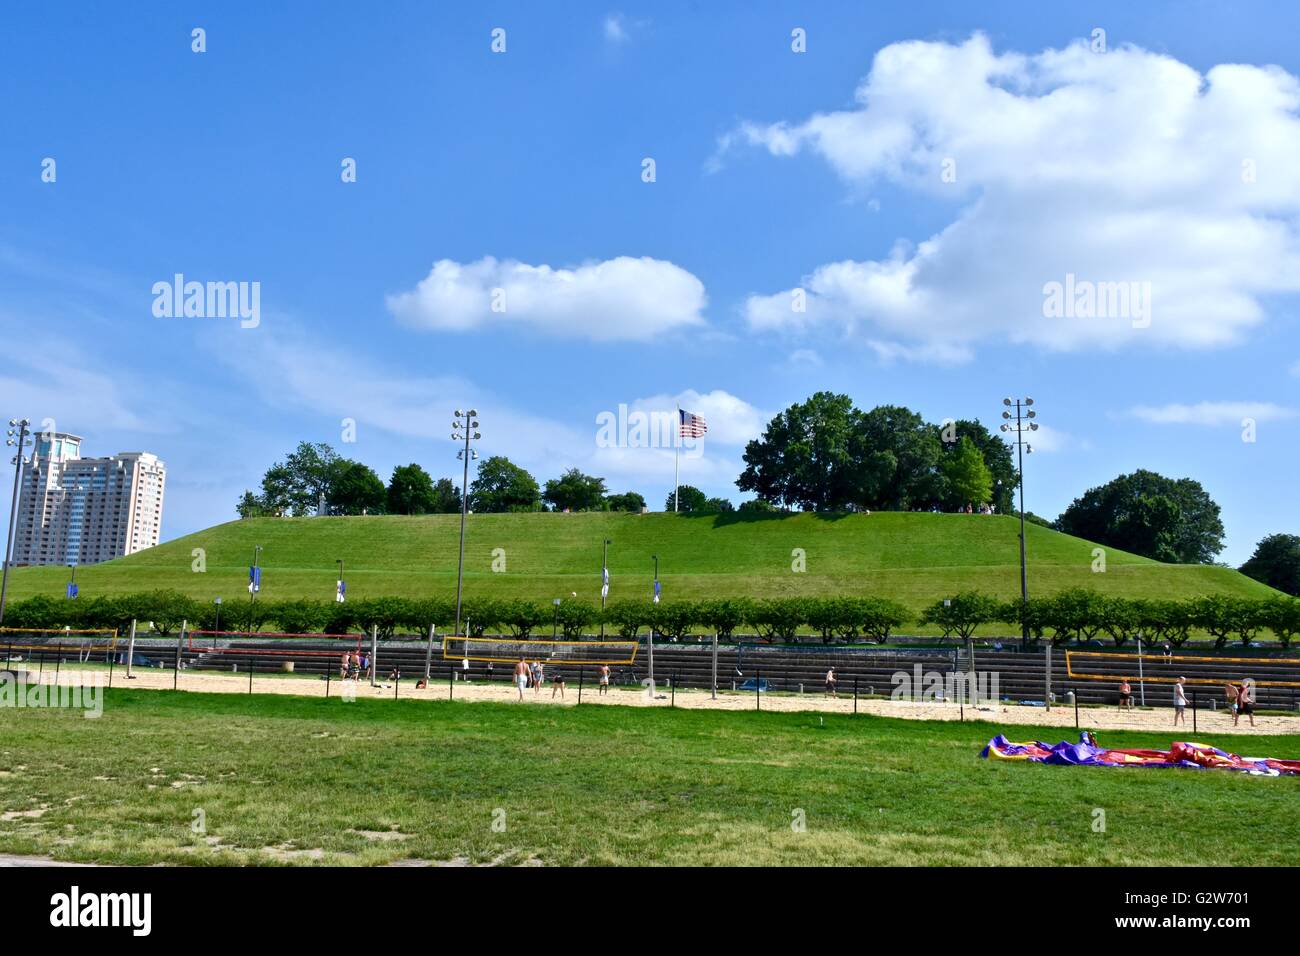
1019	423
19	440
465	427
604	582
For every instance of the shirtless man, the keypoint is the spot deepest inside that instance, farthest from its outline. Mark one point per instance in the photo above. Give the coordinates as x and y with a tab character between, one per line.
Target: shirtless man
1245	702
521	677
831	681
604	679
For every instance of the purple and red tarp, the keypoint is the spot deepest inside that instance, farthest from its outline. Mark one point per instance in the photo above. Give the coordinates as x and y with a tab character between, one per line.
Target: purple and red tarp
1087	753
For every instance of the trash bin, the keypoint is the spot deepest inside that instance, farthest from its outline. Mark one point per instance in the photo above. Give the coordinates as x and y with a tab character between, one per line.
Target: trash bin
286	667
1069	697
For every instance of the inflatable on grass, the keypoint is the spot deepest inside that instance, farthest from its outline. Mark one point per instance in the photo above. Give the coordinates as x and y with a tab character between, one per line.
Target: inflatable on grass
1086	753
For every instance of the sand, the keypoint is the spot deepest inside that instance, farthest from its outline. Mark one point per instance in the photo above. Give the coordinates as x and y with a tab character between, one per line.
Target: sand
1092	718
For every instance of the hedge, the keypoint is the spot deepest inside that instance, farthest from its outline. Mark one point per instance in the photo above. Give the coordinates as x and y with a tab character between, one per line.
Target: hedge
1076	614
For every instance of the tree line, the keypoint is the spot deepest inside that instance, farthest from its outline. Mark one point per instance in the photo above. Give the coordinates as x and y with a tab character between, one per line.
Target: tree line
1076	615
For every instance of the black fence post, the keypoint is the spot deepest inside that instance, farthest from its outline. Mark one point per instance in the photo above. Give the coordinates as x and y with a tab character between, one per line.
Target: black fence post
329	672
8	654
112	659
250	672
40	673
397	680
855	693
58	661
451	681
758	687
672	701
581	673
1193	710
1075	691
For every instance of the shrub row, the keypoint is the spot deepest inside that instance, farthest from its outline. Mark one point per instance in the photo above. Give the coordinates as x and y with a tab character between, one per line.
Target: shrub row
1080	614
1072	615
846	618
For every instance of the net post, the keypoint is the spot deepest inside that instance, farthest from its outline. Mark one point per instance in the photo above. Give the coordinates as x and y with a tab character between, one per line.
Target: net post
58	661
855	693
130	651
9	653
1076	707
374	652
582	671
249	659
714	681
451	681
1047	678
1193	710
758	687
672	702
396	681
112	659
329	672
428	655
176	668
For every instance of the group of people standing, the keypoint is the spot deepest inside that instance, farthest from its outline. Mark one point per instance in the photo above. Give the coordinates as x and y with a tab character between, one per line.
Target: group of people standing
354	665
532	674
1240	697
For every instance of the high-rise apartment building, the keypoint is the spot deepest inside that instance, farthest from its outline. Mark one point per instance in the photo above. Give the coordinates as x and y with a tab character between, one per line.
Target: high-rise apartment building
74	510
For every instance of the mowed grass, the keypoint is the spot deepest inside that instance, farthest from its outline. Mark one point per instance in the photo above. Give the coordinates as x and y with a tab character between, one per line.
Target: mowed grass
292	780
913	558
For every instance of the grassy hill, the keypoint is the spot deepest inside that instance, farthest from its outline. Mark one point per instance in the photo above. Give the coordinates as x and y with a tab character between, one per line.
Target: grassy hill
914	558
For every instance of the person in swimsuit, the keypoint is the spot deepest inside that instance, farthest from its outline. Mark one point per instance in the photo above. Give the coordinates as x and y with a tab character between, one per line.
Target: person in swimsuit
521	677
1245	703
604	678
831	681
1180	702
1125	694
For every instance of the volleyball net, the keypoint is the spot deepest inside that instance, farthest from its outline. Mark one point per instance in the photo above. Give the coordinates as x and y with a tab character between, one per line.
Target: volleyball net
506	650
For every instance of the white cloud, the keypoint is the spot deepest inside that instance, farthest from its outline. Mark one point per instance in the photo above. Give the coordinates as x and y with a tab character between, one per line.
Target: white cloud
1210	413
621	299
731	420
292	370
1046	439
615	31
1127	166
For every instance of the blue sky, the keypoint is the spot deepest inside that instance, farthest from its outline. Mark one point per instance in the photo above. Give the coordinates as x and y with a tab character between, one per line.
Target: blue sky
774	171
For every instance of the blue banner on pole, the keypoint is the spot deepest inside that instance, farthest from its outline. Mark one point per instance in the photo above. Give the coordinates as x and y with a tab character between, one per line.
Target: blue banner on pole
72	591
656	590
254	579
340	591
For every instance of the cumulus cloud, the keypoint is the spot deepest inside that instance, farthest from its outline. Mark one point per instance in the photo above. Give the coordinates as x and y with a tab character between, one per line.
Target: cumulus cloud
731	420
1064	166
621	299
1210	413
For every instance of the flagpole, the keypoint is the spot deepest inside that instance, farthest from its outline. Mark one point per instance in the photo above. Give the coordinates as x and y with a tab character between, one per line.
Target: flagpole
677	447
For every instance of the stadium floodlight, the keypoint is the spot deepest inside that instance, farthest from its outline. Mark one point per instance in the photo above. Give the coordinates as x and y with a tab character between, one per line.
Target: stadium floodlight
465	426
1018	425
17	439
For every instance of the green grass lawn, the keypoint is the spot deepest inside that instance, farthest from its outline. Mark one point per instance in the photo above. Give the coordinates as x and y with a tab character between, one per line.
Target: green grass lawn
914	558
321	780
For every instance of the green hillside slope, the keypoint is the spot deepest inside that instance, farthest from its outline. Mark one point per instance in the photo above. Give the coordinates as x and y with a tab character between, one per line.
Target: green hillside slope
914	558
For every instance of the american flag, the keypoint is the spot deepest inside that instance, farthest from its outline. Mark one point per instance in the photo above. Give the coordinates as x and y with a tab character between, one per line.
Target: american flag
692	425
